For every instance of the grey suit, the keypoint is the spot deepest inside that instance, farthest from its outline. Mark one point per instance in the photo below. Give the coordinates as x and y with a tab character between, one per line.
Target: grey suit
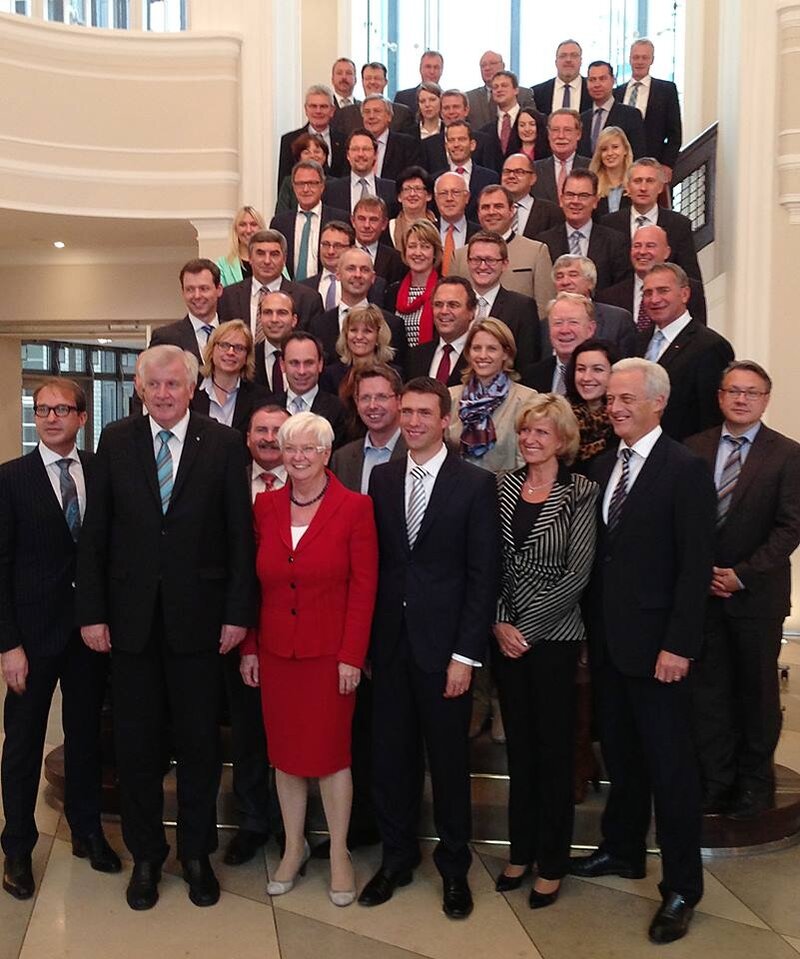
546	187
347	463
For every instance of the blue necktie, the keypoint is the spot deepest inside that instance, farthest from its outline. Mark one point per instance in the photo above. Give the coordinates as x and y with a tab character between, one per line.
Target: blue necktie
69	498
729	477
301	267
620	493
164	469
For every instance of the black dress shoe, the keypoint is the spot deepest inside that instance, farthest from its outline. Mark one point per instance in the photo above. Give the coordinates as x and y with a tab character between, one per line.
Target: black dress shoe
18	877
243	847
142	891
96	849
716	804
602	863
203	885
750	803
457	899
540	900
381	887
505	883
671	922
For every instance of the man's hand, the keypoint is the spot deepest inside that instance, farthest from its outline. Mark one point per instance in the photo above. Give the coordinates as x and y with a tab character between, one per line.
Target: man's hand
510	640
459	676
230	636
97	637
671	668
724	582
14	665
248	669
349	678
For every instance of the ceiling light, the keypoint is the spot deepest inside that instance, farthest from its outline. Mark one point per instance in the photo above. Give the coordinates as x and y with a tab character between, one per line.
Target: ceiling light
59	244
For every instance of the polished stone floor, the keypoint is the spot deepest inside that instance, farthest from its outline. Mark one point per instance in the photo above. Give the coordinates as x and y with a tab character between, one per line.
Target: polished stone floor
750	909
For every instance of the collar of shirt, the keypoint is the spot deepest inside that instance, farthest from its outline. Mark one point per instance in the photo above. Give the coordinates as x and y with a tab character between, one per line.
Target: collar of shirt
460	342
513	113
50	456
749	434
199	324
651	215
344	309
279	472
431	467
671	330
586	229
490	296
467	167
526	202
371	248
384	137
317	210
605	105
369	177
643	447
178	430
273	287
388	445
460	226
645	81
325	134
207	386
308	397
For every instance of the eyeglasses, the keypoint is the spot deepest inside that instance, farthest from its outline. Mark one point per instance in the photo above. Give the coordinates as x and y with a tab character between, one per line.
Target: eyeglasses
516	174
305	450
237	348
750	395
450	194
336	247
366	398
307	184
415	189
583	197
42	410
488	260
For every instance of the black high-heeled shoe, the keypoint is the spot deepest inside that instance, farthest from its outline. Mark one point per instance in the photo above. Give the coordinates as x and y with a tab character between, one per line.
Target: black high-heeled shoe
505	883
539	900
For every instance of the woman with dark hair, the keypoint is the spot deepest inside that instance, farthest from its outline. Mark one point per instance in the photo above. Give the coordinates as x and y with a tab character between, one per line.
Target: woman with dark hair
528	129
587	376
307	146
411	298
414	187
429	108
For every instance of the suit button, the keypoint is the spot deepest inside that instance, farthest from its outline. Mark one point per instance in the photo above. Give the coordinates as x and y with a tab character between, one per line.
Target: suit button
292	586
294	612
291	559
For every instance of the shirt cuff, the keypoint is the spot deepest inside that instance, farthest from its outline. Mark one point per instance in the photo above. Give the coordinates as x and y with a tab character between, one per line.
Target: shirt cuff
467	662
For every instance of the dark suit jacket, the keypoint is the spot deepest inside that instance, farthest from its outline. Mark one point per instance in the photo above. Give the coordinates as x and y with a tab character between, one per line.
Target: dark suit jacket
442	593
198	557
260	378
435	154
539	376
663	130
520	315
694	361
543	96
286	223
615	325
37	559
419	359
679	236
609	251
652	574
350	119
286	161
628	119
180	333
408	98
337	194
235	301
480	177
621	294
543	216
493	154
401	151
762	526
546	185
347	463
251	395
389	265
376	293
326	329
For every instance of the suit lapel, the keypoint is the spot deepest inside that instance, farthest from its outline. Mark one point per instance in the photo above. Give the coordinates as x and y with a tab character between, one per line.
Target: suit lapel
143	440
440	494
328	507
42	490
191	448
649	473
680	344
756	458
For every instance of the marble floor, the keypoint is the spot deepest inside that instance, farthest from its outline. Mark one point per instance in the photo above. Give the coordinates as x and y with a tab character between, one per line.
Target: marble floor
750	909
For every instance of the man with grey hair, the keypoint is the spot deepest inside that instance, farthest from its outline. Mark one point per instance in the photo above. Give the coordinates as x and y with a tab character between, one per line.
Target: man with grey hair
374	79
645	606
319	107
396	151
570	319
166	576
431	66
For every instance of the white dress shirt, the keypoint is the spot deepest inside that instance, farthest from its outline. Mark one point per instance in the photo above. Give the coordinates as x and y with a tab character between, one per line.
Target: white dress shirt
355	187
324	283
313	238
575	90
308	398
642	448
650	215
175	442
642	97
606	108
458	348
200	334
466	167
382	141
486	302
50	458
513	113
586	230
523	206
257	486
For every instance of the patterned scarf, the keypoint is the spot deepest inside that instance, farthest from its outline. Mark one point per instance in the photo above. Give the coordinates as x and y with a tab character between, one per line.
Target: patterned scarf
475	409
404	305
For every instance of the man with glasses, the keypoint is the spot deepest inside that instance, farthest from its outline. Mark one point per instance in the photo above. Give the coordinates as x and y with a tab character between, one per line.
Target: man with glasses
362	180
42	503
460	144
563	133
303	227
736	700
451	195
532	215
567	89
336	237
581	236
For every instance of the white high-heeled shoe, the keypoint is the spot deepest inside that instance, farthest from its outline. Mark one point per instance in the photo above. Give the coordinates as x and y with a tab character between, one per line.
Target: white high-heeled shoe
279	887
344	897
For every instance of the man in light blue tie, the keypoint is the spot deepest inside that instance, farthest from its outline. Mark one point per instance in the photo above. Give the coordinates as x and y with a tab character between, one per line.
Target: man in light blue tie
606	111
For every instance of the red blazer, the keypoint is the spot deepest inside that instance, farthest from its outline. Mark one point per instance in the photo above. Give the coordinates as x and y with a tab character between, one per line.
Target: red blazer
318	599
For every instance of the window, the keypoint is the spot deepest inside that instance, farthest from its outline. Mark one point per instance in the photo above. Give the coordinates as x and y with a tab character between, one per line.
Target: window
164	16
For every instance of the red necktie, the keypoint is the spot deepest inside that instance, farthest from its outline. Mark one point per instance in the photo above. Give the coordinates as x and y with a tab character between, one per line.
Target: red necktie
505	132
643	319
460	170
443	373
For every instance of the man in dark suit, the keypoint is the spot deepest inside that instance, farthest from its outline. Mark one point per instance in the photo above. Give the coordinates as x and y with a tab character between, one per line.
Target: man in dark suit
277	318
459	146
576	274
645	613
356	276
645	180
608	112
439	541
374	80
319	107
336	237
501	133
532	216
570	321
454	303
736	698
566	90
650	245
371	221
303	227
396	151
693	355
201	290
166	576
343	81
361	180
454	109
563	134
267	250
431	65
580	236
42	501
657	101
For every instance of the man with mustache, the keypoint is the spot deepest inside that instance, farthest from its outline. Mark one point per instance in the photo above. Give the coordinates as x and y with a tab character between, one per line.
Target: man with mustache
266	470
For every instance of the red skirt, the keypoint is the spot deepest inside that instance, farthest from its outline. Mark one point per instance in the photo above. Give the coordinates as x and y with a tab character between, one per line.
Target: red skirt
308	721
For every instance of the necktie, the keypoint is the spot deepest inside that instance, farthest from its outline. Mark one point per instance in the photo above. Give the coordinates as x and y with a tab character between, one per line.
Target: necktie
208	330
575	242
416	504
345	102
277	375
443	372
298	405
654	349
460	170
643	320
515	219
621	490
560	385
565	103
729	477
562	175
597	126
505	132
69	498
301	267
164	469
330	296
635	93
267	481
259	335
483	307
641	221
364	189
449	249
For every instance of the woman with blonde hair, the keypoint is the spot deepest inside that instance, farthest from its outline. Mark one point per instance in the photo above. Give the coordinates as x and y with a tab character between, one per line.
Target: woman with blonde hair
412	297
612	159
235	265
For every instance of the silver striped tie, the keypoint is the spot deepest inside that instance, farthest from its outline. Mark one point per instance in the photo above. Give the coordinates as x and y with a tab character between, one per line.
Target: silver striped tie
416	504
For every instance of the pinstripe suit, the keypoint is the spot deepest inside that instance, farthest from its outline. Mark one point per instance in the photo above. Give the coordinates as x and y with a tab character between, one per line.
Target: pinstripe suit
541	587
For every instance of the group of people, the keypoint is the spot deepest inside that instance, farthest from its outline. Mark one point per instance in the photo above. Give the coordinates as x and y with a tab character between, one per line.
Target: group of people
361	493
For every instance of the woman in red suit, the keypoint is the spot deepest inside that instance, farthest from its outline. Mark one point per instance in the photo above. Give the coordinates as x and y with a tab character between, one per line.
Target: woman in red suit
317	564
